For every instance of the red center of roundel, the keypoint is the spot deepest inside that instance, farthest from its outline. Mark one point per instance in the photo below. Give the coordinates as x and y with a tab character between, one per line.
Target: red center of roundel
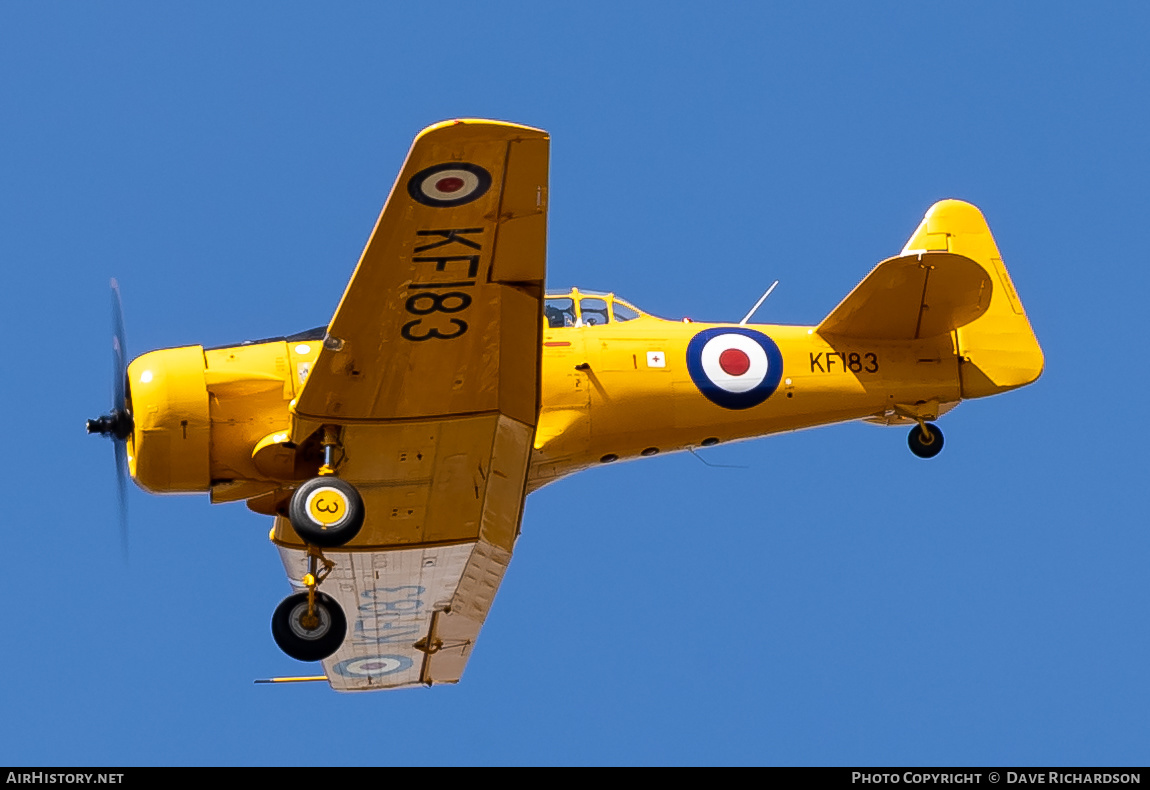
449	184
734	362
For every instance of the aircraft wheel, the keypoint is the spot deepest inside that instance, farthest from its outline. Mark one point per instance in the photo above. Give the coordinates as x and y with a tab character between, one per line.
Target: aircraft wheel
925	445
303	643
326	511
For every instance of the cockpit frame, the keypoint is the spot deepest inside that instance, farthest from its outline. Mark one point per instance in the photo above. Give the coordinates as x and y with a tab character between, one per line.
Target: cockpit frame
577	309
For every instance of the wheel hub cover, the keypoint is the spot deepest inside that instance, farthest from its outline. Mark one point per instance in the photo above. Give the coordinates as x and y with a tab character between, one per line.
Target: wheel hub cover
296	621
327	507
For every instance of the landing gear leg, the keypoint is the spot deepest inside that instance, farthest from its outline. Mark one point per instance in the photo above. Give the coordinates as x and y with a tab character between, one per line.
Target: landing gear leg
925	440
325	512
310	626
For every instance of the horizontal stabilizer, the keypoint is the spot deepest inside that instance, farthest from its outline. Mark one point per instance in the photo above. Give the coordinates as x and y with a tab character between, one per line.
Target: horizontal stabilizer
912	296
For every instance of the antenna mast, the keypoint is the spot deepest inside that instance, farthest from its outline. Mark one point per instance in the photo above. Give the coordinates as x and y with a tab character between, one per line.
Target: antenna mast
758	304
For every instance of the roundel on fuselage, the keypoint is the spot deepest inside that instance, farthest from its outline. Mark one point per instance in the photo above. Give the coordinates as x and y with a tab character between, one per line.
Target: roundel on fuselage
733	367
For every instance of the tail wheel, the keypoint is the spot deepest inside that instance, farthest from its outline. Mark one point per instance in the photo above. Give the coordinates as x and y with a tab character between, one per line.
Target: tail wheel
304	638
925	440
326	511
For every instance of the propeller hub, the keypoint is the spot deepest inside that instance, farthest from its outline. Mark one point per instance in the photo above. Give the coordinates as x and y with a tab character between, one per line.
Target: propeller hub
117	424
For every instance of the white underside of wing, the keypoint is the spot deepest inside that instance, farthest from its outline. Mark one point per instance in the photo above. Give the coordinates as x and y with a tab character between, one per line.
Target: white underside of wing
412	614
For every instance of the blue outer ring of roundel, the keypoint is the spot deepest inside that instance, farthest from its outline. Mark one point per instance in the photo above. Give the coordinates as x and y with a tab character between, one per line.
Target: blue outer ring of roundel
722	397
416	180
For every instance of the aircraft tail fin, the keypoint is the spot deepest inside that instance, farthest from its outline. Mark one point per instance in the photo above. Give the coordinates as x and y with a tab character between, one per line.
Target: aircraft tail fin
999	350
949	279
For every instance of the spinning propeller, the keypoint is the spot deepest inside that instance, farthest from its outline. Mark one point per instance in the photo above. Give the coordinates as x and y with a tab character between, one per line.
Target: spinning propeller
117	424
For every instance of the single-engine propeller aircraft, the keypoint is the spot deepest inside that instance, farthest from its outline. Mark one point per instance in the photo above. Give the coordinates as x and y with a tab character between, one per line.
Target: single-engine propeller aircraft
394	447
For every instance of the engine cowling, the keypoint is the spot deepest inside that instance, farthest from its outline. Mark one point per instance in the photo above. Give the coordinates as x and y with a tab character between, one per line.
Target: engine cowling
168	451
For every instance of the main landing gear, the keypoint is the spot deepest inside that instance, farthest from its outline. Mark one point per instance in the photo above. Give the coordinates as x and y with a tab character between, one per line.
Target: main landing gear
925	440
309	631
325	512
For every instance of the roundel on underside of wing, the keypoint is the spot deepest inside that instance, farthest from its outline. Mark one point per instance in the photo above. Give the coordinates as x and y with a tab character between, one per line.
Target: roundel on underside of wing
372	666
449	184
733	367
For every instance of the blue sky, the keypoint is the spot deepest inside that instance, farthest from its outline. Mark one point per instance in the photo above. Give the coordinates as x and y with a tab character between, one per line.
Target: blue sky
835	602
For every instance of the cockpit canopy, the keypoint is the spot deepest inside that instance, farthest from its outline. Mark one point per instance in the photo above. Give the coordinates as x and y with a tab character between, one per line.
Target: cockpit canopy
586	308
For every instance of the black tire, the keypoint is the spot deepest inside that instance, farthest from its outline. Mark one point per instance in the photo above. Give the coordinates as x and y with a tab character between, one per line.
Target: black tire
927	448
324	493
305	644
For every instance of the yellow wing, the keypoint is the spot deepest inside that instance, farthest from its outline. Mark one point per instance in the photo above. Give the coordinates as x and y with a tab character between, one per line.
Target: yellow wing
443	311
430	372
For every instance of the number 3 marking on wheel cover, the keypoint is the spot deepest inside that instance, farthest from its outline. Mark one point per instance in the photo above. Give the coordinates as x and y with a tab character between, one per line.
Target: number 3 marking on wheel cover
733	367
327	506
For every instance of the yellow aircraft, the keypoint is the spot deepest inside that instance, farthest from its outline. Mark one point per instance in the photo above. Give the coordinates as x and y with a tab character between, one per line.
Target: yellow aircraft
395	446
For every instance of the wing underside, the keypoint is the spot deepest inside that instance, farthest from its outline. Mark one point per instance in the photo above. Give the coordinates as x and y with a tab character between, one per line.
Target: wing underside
443	314
430	375
413	614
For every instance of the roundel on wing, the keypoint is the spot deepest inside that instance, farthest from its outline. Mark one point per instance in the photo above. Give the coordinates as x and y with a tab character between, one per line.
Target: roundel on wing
733	367
372	666
449	184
